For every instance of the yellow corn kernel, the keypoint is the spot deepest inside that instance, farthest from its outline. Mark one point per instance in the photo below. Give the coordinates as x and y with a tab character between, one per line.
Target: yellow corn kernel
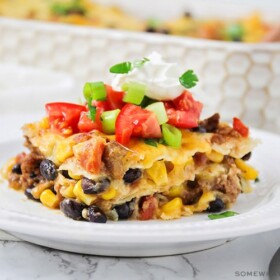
215	156
44	123
158	173
176	191
38	190
173	207
204	200
248	172
190	161
7	168
88	199
63	150
109	194
74	176
49	199
67	191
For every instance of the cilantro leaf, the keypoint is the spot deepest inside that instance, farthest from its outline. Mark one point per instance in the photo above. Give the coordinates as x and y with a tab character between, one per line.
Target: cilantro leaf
139	62
222	215
121	68
151	142
188	79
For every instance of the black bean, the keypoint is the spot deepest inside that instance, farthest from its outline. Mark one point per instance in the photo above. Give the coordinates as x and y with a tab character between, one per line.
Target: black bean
247	156
94	187
199	129
65	174
32	175
48	169
72	208
17	169
124	210
151	29
28	193
192	184
187	14
216	205
96	215
131	175
211	124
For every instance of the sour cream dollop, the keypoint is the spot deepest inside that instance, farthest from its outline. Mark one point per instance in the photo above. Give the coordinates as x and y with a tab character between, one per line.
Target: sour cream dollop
160	77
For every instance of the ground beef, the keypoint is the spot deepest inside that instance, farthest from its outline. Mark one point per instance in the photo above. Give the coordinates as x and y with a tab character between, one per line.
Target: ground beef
200	159
113	157
192	195
30	169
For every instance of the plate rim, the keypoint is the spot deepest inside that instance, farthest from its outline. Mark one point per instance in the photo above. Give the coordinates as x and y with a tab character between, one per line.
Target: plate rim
13	221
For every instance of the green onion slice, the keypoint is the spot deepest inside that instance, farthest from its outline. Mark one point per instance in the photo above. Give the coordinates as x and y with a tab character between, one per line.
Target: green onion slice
159	109
222	215
172	136
135	92
121	68
95	91
188	79
235	32
92	110
108	121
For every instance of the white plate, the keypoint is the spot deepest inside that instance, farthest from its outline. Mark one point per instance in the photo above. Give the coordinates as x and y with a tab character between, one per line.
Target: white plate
259	212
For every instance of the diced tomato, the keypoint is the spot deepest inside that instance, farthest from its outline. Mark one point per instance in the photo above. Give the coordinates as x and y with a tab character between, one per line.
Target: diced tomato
89	154
181	119
86	124
135	121
148	207
114	98
64	117
184	111
240	127
187	103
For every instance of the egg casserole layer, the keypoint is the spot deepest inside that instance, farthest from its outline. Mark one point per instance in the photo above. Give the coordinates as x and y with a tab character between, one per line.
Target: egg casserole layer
140	181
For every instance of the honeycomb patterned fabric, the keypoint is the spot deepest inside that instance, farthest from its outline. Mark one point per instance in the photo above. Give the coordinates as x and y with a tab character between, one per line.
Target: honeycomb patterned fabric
85	12
123	155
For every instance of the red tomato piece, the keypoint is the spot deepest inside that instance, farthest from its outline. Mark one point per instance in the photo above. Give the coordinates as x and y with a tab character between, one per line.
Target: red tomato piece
135	121
184	111
181	119
240	127
114	98
148	208
85	124
64	117
90	154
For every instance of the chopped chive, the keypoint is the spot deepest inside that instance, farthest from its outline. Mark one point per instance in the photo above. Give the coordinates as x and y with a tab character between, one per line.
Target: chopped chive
121	68
159	109
135	93
172	136
257	180
151	142
188	79
95	91
222	215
